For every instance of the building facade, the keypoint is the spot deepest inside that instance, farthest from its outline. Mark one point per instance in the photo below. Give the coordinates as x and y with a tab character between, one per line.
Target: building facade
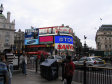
77	45
56	40
104	39
7	29
18	41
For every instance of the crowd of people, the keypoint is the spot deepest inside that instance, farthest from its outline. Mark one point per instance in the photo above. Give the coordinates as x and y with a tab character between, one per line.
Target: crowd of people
6	68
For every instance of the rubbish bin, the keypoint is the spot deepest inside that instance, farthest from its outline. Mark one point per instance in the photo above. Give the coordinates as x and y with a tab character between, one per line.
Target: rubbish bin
49	69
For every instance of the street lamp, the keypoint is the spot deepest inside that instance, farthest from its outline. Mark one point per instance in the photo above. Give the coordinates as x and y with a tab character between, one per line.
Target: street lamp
85	45
59	40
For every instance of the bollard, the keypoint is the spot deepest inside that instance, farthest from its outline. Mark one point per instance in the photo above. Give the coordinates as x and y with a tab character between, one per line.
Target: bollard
84	76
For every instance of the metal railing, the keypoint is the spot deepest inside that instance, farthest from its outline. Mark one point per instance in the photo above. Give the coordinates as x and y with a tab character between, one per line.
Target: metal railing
93	75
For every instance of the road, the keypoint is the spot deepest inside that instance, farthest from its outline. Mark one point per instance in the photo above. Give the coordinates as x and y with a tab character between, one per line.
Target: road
34	78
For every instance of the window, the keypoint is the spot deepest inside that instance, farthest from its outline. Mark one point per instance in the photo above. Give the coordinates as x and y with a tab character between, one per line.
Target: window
9	26
88	59
3	25
109	46
105	46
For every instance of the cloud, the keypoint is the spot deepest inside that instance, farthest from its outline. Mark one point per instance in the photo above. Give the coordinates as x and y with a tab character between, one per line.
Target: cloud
81	15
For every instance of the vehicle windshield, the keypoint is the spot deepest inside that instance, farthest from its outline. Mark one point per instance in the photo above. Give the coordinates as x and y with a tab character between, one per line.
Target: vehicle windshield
97	59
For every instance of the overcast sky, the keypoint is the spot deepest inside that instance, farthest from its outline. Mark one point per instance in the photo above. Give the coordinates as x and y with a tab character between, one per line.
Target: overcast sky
81	15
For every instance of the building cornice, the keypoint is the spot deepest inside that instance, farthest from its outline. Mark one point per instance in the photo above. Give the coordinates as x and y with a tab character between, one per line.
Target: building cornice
7	29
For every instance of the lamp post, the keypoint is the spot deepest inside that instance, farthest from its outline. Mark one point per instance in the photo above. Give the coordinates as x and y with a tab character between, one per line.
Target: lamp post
85	45
59	40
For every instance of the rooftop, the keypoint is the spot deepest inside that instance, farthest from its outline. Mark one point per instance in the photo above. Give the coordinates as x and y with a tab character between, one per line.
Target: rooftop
105	28
2	16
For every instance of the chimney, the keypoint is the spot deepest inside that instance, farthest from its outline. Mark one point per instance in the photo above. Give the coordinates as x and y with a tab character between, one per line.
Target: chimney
8	17
62	25
67	26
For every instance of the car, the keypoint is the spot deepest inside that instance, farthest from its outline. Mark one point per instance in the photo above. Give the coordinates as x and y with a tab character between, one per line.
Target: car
100	58
58	58
90	61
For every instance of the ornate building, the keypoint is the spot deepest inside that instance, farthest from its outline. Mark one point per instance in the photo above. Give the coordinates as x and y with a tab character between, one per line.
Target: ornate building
19	40
7	30
77	45
104	39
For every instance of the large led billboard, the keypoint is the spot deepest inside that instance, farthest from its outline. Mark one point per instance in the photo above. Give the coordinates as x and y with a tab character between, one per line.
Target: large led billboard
65	30
64	43
46	39
31	33
62	30
31	36
64	46
64	39
31	42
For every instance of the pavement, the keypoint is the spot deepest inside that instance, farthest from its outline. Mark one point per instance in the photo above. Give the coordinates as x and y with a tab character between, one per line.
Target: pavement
33	78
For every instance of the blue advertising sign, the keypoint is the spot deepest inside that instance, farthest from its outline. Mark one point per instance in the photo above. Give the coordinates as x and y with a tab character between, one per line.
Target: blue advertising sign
31	42
64	39
31	33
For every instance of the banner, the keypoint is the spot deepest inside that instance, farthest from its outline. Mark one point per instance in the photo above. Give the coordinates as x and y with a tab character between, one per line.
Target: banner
64	46
46	39
31	33
64	39
31	42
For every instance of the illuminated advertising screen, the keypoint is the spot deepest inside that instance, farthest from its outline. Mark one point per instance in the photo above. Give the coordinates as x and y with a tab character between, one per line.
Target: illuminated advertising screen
64	46
55	31
31	36
46	39
31	42
31	33
65	30
64	39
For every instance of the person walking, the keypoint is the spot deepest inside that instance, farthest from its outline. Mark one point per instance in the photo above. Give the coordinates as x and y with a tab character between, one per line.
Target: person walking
63	68
4	70
69	68
23	59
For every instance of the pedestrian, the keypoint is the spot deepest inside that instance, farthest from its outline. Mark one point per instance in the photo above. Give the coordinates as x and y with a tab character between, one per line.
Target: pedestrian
23	61
69	70
63	68
4	70
42	58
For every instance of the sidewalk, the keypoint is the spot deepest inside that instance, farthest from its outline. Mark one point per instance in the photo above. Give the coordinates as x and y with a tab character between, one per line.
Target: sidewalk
33	78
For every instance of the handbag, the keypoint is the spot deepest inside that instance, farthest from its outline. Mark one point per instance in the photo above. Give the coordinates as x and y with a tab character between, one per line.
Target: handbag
64	81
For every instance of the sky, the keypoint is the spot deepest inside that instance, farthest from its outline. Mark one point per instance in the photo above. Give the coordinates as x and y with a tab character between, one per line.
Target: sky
83	16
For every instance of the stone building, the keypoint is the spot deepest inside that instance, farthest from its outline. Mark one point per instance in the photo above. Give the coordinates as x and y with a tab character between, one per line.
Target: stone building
104	39
7	29
18	41
77	45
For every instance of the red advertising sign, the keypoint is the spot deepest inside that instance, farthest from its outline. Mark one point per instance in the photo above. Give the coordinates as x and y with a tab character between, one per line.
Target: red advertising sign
46	39
63	30
64	46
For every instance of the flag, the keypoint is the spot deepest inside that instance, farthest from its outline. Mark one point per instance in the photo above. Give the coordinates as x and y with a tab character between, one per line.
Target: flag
85	37
100	18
